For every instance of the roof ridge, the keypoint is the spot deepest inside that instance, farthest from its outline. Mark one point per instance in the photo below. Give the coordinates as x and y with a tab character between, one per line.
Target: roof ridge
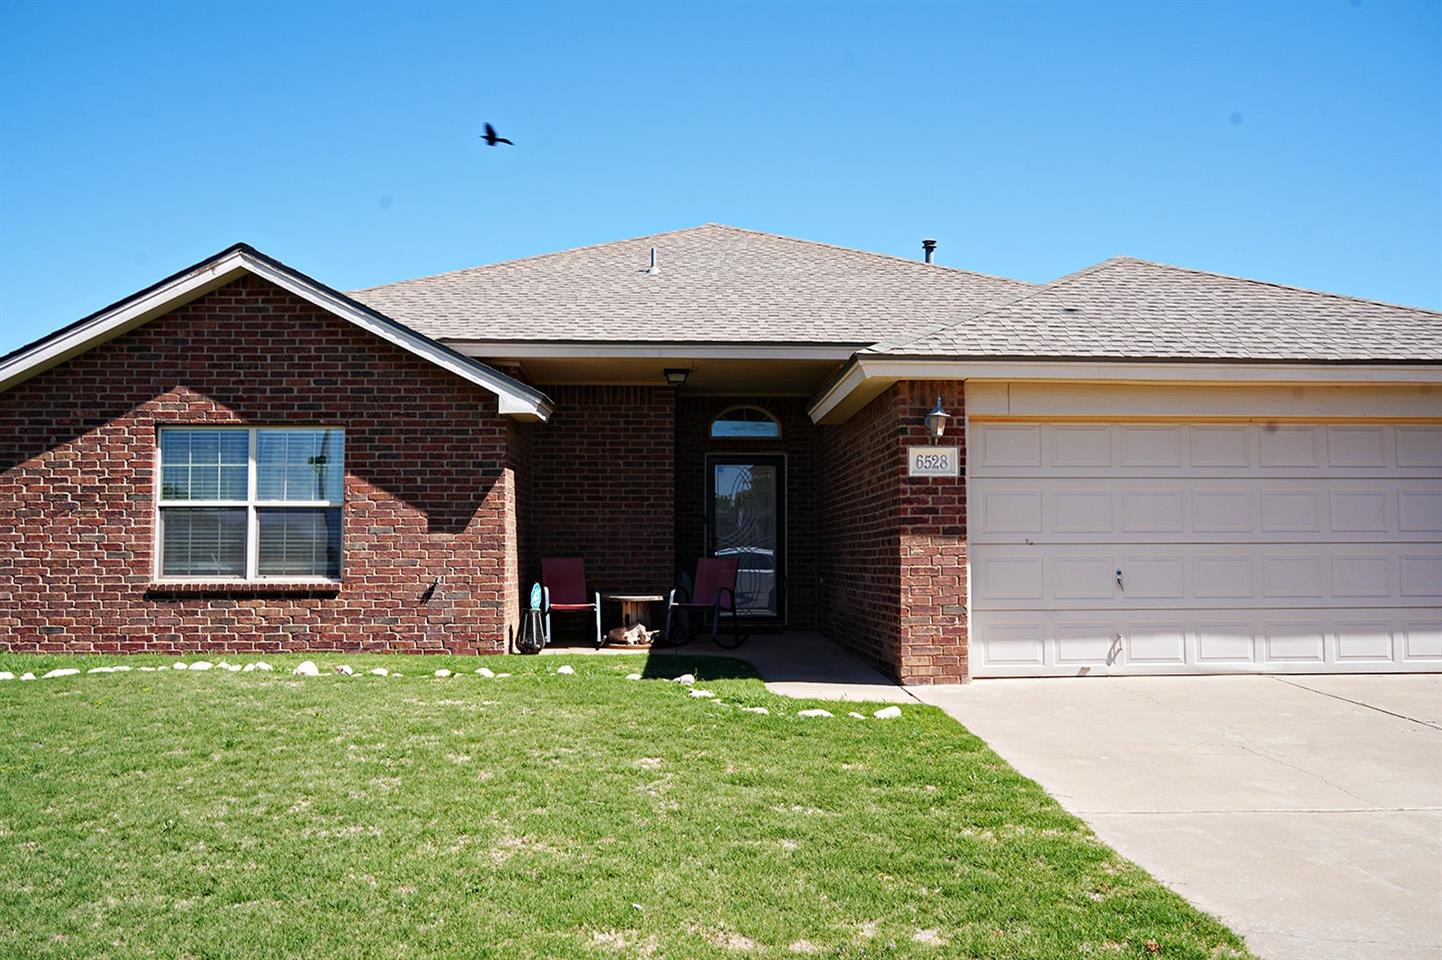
914	336
1273	283
535	256
868	253
692	229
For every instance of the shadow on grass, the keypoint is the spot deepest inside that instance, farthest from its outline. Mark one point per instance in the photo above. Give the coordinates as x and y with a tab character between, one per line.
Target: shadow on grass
669	664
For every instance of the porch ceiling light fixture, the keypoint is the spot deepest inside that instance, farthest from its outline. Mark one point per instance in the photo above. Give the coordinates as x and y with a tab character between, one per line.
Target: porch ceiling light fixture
676	376
936	420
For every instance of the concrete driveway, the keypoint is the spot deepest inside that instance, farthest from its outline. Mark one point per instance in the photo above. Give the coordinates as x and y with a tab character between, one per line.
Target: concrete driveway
1305	812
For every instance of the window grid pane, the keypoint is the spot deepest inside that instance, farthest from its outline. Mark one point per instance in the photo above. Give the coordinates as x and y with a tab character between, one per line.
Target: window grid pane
300	465
203	541
204	464
299	542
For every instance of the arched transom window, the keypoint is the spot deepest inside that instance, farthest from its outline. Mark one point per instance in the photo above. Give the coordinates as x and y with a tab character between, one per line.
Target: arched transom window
751	422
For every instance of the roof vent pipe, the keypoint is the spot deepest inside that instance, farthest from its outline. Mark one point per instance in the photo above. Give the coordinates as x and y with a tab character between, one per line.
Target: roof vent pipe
928	249
653	269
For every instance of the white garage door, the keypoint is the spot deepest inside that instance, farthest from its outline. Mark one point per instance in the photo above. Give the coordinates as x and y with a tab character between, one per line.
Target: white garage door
1125	548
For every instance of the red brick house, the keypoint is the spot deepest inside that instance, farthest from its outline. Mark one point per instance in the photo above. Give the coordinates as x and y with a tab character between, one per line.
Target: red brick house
1146	469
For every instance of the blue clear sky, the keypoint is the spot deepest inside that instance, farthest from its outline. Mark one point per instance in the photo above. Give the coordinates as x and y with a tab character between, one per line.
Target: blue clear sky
1297	142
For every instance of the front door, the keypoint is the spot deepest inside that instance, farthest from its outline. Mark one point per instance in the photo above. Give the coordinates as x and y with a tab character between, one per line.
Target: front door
746	519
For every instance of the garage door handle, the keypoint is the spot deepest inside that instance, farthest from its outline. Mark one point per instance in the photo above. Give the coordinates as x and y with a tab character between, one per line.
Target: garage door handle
1120	585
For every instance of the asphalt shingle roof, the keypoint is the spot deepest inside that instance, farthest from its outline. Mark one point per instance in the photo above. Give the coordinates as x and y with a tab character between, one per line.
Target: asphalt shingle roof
716	283
1125	308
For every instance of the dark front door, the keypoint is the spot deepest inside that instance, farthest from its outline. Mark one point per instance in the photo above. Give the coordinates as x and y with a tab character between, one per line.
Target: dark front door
746	519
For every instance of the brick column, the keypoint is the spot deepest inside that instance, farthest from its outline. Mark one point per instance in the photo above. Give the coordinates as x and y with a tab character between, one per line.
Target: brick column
931	522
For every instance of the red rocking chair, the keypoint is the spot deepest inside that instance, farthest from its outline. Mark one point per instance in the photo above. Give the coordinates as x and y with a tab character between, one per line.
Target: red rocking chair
563	589
713	594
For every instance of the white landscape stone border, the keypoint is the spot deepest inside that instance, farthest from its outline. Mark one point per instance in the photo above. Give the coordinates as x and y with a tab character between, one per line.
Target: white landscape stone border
309	668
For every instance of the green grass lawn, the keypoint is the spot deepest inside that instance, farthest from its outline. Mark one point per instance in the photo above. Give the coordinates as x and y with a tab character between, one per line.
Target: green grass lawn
181	814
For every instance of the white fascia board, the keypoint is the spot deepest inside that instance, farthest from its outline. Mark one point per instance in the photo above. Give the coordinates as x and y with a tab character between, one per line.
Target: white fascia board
129	314
124	317
589	350
864	378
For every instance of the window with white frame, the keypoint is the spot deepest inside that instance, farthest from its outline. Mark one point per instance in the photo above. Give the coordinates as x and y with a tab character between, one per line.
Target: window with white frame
251	503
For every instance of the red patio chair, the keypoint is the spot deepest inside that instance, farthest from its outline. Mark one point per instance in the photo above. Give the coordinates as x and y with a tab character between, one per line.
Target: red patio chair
714	593
563	589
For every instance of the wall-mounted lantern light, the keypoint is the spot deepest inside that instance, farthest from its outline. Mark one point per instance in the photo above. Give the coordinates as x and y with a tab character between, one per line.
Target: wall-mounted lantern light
676	376
936	420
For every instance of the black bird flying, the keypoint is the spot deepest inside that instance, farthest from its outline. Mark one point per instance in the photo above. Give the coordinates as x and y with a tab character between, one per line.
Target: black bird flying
491	139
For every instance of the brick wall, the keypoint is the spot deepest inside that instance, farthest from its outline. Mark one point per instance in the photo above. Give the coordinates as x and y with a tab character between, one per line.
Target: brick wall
430	488
601	485
798	442
892	547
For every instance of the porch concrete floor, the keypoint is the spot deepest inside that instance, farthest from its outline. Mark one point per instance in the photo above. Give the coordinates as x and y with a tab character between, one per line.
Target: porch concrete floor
793	664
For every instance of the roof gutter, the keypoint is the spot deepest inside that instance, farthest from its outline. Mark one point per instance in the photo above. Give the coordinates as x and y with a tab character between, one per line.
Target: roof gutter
865	377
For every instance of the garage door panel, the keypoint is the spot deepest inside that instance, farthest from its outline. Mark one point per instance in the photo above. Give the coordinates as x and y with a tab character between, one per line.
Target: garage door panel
1292	578
1130	510
1421	576
1222	446
1236	575
1422	640
1363	642
1358	446
1294	641
1420	510
1077	510
1287	445
1157	643
1219	450
1418	446
1226	644
1123	642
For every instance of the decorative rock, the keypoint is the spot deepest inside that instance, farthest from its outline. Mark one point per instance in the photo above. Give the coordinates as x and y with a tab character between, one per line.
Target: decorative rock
61	672
178	665
502	676
27	676
761	710
398	674
306	669
633	676
222	665
685	678
148	669
813	712
248	668
264	667
566	671
6	675
379	672
344	670
486	672
887	713
702	694
442	672
233	667
201	665
120	669
856	716
101	670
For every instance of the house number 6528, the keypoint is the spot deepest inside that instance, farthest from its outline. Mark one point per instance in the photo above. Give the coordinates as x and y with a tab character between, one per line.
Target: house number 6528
933	462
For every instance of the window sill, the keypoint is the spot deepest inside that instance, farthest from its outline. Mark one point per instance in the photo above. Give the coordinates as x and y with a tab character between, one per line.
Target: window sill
242	587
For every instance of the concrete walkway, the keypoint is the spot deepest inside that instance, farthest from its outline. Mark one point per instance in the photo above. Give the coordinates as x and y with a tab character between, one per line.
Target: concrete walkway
1304	812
